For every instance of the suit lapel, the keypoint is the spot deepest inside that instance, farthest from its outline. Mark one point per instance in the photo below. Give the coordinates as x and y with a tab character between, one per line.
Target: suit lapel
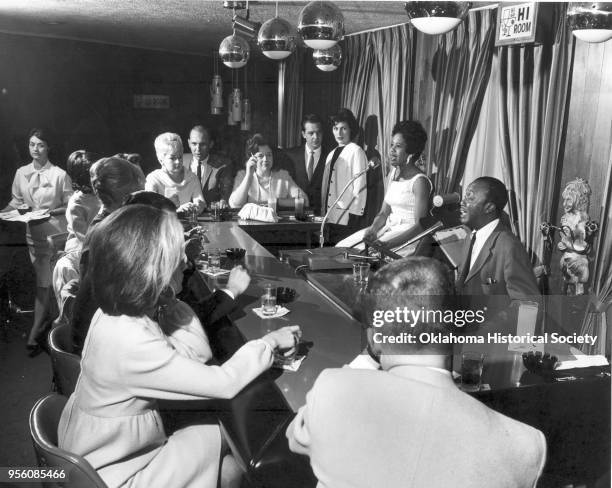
205	176
485	253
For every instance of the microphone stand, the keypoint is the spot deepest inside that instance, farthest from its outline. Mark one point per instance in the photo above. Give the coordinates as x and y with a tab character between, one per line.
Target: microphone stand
324	221
430	230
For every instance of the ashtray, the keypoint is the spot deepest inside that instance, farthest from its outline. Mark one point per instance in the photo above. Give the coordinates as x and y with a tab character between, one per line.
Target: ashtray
284	294
235	253
538	363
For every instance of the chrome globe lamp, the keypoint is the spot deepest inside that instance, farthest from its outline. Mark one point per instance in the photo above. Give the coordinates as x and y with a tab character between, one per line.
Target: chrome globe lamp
234	51
436	18
277	38
328	59
590	21
321	25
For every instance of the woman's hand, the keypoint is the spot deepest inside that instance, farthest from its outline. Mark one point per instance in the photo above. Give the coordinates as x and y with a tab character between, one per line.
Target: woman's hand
187	207
251	166
370	234
285	338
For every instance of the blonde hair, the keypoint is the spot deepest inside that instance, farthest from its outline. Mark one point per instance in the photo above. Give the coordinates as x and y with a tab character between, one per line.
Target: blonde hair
133	255
168	139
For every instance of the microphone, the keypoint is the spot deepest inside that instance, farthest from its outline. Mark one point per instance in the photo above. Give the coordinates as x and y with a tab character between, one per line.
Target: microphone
446	199
372	164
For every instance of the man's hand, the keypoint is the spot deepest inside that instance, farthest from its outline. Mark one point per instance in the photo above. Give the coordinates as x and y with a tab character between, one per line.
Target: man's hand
238	281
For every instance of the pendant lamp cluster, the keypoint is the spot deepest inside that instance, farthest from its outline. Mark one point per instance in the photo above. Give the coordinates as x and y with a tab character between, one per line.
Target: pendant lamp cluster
320	25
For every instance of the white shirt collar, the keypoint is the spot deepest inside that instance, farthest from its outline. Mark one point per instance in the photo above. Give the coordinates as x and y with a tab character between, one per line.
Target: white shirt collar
194	164
316	153
482	235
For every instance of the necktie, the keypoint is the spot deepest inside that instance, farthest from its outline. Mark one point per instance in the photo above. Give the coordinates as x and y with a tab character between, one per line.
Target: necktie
200	173
310	167
465	270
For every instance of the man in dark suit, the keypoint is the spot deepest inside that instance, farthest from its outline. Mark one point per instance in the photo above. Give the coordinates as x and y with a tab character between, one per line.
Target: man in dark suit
496	269
213	170
407	424
309	160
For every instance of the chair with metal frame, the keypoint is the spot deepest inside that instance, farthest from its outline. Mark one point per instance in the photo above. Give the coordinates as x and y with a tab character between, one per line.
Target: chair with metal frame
72	471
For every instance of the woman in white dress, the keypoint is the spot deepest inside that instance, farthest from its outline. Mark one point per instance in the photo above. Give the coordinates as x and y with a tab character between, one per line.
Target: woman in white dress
128	362
408	194
41	185
259	182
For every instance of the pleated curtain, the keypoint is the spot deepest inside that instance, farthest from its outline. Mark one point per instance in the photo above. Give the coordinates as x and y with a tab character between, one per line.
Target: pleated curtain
595	320
461	69
290	133
376	81
534	84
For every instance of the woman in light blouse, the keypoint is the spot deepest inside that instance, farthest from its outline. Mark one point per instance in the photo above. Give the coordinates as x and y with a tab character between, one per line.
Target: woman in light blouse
129	362
342	164
41	185
259	182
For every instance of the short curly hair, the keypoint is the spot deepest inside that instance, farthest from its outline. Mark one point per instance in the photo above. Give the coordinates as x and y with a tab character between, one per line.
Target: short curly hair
78	165
414	135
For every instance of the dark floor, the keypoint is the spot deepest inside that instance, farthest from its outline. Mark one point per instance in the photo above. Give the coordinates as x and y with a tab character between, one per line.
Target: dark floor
24	380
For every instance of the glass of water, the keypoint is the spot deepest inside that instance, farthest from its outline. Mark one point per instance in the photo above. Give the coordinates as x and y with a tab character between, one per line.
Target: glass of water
268	300
214	259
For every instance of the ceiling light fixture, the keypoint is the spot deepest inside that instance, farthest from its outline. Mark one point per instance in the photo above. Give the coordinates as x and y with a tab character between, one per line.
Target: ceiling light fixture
277	37
436	17
590	21
321	24
328	59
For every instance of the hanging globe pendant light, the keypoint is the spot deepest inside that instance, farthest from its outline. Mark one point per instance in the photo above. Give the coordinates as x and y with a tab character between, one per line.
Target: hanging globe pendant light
436	17
328	59
234	51
321	25
277	38
590	21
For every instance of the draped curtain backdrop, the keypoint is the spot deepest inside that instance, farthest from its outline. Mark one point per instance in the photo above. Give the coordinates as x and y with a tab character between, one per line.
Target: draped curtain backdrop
461	69
534	84
376	71
291	82
595	322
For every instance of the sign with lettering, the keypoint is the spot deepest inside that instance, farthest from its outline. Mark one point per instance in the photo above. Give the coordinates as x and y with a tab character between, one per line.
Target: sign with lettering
152	101
516	23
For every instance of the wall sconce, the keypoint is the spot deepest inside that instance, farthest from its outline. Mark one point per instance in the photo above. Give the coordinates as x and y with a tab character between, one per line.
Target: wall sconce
328	59
590	21
436	17
321	25
277	38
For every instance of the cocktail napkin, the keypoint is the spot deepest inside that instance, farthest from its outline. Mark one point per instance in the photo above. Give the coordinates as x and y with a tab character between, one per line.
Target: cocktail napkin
280	311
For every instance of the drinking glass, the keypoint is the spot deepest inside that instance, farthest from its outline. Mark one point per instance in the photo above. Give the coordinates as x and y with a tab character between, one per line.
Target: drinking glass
471	371
214	259
268	300
361	273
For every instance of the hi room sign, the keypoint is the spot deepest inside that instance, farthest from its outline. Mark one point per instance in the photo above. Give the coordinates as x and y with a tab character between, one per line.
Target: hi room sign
516	23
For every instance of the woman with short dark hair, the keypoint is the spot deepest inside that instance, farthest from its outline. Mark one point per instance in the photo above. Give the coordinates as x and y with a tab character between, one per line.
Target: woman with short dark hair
128	362
41	185
344	163
260	182
408	193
